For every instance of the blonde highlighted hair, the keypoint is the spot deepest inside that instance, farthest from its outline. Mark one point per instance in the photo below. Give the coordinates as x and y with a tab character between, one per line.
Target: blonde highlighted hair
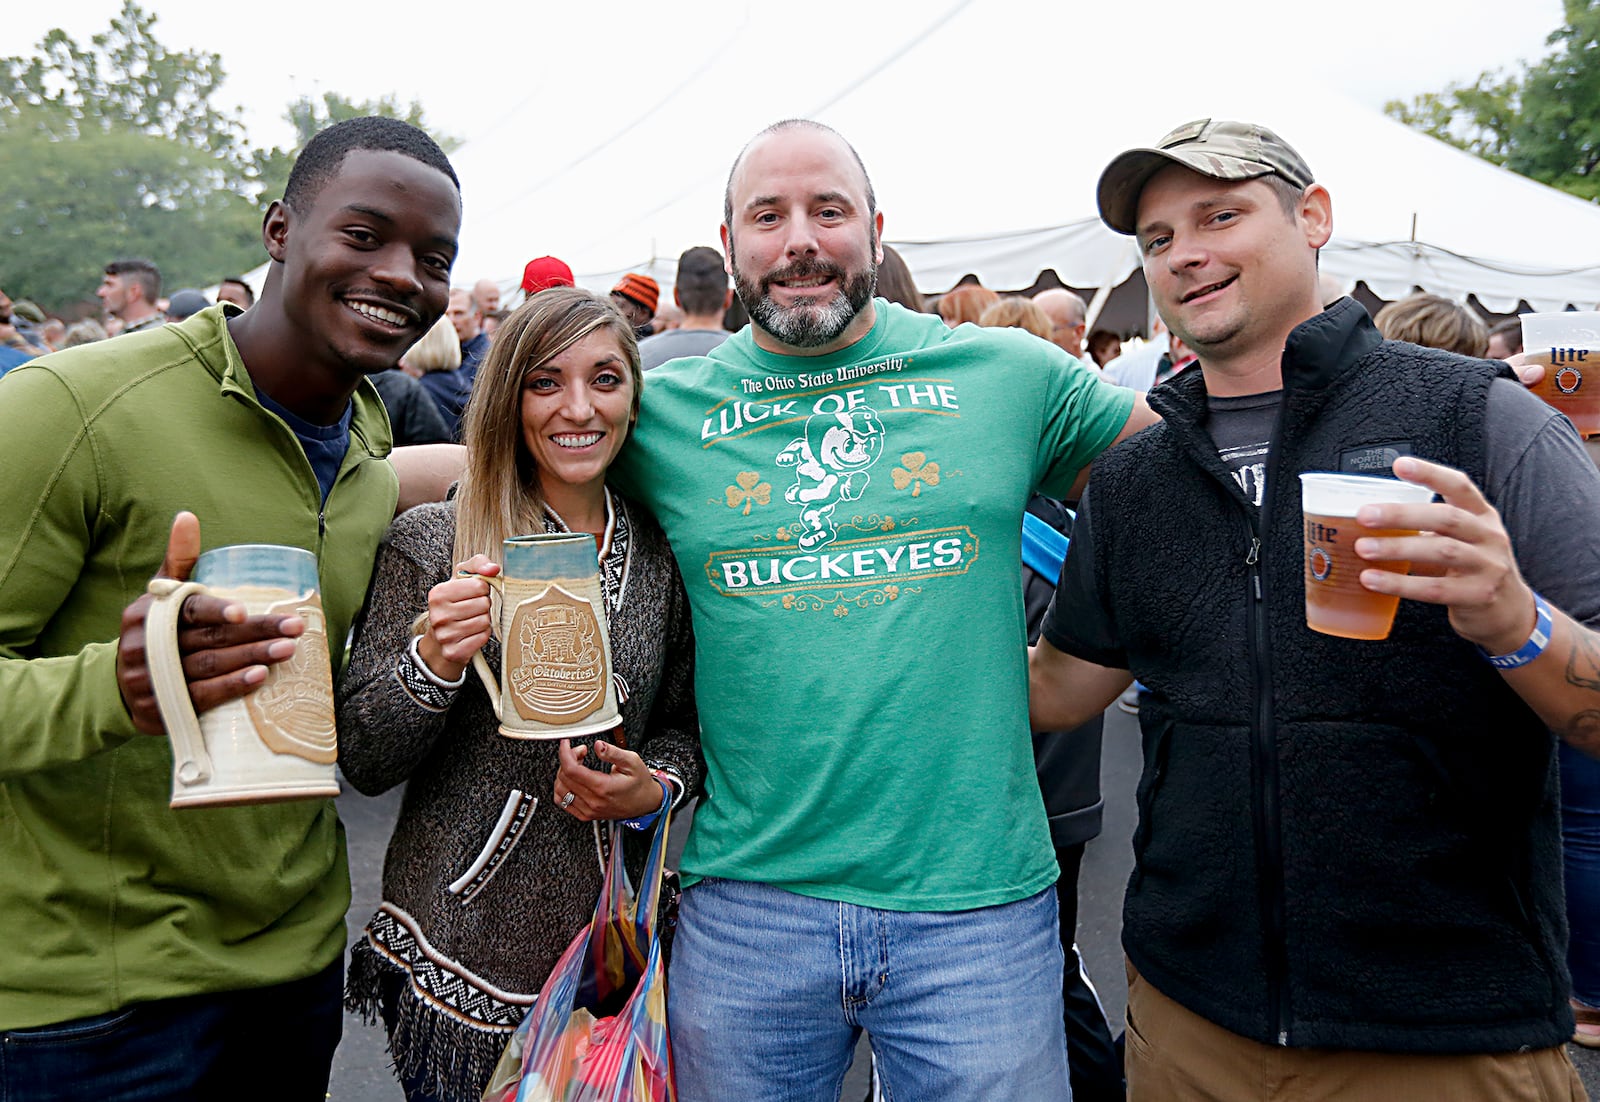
499	492
1434	322
1015	312
439	349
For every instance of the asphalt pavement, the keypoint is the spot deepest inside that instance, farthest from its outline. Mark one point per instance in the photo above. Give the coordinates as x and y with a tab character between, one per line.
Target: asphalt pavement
361	1068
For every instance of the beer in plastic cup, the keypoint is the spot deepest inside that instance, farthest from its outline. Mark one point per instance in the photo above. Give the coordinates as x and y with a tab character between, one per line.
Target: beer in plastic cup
1336	601
1568	345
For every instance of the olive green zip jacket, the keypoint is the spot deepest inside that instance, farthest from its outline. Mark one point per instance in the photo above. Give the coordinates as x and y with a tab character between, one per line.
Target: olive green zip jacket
108	896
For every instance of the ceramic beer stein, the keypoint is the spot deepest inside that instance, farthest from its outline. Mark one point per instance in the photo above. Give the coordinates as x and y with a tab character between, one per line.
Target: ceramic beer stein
277	742
555	652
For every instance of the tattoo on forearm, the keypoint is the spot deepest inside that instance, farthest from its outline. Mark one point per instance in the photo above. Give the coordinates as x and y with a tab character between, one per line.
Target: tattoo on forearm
1583	664
1583	732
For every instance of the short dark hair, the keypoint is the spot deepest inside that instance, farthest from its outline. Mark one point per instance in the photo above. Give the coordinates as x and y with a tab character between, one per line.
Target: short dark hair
324	154
239	281
795	124
1511	330
702	282
136	269
896	284
1288	194
1099	341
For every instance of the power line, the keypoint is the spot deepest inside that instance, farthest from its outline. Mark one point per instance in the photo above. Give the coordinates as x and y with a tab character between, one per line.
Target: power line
900	52
682	86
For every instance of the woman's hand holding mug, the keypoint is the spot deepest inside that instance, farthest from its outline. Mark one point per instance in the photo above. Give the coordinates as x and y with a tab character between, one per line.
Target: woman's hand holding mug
459	618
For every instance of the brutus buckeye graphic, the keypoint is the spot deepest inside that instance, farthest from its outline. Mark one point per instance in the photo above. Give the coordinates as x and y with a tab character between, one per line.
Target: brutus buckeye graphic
830	465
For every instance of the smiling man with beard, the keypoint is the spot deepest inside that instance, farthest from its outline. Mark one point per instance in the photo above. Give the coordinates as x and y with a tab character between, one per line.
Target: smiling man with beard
843	484
154	953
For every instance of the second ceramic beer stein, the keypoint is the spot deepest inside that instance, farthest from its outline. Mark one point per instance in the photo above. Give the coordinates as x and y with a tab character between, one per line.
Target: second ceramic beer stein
555	652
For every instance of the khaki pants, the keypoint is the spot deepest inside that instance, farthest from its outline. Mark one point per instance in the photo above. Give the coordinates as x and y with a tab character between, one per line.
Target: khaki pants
1174	1055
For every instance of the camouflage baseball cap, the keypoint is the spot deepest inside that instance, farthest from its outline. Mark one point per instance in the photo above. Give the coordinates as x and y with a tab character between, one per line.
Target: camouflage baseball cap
1219	148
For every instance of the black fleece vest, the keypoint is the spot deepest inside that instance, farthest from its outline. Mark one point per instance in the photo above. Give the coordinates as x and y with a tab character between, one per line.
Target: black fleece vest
1341	844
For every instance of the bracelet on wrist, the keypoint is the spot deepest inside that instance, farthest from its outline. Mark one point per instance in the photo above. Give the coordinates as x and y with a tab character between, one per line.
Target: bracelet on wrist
645	822
414	650
1533	648
670	775
421	684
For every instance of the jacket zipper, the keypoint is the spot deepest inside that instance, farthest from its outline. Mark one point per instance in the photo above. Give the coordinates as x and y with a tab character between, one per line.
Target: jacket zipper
1266	812
1268	823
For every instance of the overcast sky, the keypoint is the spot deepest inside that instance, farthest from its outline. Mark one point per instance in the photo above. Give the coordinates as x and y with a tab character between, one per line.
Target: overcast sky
479	68
602	132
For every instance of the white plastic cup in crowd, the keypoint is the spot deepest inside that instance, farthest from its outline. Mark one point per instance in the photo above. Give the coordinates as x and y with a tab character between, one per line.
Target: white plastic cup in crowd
1568	346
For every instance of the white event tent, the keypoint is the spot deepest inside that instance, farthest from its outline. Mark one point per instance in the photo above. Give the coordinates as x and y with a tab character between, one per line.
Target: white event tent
985	127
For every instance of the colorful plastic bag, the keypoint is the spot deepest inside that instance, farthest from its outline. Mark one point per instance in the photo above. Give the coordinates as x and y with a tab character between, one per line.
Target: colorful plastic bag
598	1031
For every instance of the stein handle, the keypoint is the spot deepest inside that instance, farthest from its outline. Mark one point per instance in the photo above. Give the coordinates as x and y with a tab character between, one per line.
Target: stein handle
490	683
166	678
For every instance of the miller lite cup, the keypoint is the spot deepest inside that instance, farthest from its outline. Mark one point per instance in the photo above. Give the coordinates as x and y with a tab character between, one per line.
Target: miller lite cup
1568	346
555	651
1336	601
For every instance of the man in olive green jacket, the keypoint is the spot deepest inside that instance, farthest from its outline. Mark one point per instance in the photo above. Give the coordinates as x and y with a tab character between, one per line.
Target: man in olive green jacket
159	953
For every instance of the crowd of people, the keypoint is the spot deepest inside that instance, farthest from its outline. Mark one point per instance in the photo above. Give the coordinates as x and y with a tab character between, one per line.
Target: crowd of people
813	494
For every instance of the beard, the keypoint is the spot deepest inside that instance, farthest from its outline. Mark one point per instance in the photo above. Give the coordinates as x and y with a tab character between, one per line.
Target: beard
806	324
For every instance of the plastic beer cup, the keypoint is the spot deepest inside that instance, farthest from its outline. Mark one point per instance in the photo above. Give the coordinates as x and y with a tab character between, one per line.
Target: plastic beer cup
1568	346
1336	601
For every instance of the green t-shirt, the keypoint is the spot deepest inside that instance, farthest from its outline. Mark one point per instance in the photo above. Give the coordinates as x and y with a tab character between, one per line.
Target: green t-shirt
849	529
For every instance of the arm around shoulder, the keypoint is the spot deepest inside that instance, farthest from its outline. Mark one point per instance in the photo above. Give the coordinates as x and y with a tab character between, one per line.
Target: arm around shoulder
388	721
1066	692
1140	417
426	472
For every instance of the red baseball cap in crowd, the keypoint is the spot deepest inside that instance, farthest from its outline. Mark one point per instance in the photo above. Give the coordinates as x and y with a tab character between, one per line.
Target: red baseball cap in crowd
545	272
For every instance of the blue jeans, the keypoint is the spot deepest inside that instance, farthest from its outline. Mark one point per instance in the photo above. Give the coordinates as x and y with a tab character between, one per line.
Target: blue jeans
769	992
268	1043
1580	842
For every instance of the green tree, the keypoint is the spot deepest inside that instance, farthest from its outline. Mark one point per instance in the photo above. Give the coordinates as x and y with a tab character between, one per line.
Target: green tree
1542	121
308	115
69	206
116	148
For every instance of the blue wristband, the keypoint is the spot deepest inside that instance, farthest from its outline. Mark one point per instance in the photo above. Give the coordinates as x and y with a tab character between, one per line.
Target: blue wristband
1533	648
645	822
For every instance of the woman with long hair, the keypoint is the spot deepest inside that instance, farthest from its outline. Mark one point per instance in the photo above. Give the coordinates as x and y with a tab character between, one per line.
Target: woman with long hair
497	856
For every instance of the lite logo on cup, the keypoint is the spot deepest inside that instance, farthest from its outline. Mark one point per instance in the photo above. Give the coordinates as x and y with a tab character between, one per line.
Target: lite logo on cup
1336	601
1320	562
1563	343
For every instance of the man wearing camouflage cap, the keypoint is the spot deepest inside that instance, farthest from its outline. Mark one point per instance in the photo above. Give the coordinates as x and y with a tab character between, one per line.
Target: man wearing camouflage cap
1348	862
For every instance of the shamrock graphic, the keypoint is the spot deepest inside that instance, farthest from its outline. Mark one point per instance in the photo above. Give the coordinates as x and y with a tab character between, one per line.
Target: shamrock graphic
749	491
916	471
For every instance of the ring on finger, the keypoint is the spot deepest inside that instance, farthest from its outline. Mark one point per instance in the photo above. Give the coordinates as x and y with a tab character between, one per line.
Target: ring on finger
566	801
